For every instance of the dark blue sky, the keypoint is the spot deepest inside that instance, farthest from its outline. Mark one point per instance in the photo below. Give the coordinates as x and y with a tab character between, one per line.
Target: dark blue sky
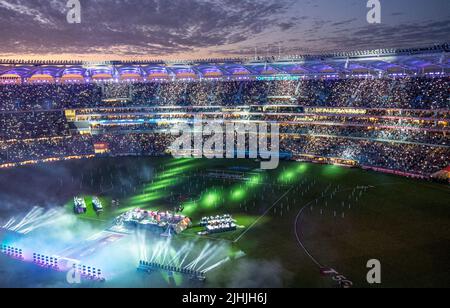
214	28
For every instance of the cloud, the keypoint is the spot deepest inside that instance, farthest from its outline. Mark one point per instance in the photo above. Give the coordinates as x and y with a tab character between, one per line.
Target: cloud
20	9
163	28
155	26
387	36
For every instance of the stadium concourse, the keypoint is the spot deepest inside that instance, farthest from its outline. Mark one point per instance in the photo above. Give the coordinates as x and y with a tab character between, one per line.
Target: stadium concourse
386	110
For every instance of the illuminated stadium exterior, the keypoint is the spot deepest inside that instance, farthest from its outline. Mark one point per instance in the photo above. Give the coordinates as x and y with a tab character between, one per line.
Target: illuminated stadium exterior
408	62
386	110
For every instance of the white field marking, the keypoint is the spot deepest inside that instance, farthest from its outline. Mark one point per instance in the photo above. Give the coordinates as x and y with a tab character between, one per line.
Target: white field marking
264	214
297	220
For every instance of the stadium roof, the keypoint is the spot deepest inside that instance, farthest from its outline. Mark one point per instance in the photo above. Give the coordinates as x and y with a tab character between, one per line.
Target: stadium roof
411	61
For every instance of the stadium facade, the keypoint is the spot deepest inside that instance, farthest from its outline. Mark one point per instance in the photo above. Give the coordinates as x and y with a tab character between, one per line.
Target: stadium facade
393	62
386	110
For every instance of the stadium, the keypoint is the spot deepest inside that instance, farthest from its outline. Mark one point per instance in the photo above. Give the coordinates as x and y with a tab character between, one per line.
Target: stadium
87	173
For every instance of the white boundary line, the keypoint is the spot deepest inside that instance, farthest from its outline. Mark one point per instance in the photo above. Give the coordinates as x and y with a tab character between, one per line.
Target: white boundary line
264	214
297	221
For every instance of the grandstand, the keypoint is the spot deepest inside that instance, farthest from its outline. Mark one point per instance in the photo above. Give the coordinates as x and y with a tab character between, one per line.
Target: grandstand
387	110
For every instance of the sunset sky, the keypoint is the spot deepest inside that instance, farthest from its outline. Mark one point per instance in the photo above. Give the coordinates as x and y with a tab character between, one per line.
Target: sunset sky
184	29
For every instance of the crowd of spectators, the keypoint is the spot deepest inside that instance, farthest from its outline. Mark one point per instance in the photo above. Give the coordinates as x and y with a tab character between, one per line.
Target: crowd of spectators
13	151
404	126
395	135
404	93
29	125
48	96
412	158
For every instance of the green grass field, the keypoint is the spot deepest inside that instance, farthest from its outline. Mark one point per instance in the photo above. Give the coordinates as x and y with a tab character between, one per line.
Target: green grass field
343	217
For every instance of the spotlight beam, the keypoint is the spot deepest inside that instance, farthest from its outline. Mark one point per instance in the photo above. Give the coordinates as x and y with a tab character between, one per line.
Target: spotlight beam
217	265
200	257
211	257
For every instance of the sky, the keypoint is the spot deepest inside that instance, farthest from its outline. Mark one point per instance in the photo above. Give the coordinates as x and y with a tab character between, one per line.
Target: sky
188	29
